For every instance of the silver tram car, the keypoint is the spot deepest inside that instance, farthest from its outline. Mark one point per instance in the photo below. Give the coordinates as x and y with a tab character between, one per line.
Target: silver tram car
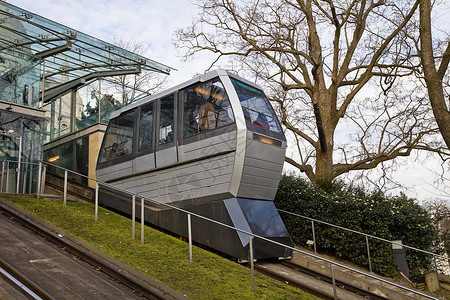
212	146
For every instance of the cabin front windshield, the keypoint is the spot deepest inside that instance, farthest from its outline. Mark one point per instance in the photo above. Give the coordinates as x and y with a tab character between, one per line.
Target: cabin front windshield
256	107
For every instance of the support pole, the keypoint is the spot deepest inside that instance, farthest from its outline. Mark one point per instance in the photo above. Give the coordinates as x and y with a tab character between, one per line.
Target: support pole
133	216
190	238
334	282
252	266
142	220
44	174
368	253
7	176
19	164
437	276
96	200
3	171
314	236
38	188
65	187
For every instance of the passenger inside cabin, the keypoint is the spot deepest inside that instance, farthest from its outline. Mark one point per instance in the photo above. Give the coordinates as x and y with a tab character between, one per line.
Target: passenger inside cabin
261	121
207	117
114	151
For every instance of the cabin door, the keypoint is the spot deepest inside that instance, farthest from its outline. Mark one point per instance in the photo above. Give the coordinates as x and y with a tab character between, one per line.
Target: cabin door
166	149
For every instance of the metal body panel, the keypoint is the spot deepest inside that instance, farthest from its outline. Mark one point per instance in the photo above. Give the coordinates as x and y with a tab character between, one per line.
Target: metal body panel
262	170
195	180
110	173
166	157
144	163
207	147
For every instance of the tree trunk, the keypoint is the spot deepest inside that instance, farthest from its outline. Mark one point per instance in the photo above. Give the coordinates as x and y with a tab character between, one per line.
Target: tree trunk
326	125
433	77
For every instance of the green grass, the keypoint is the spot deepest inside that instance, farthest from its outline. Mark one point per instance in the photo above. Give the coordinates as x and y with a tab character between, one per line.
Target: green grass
162	257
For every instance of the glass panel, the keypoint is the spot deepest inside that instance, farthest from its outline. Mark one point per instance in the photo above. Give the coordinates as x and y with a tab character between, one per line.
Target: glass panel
256	107
206	107
55	115
64	123
86	106
111	99
166	122
19	76
146	127
73	155
118	139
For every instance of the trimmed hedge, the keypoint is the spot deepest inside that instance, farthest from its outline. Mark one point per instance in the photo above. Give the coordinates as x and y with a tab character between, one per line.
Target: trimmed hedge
388	217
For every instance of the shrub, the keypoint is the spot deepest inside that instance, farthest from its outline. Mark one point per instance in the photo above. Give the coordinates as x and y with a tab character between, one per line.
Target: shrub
373	213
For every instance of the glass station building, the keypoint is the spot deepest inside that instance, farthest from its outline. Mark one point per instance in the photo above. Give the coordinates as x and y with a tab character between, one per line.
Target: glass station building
56	92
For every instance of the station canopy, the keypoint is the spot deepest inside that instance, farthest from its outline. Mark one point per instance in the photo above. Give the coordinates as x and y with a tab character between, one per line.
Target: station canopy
67	58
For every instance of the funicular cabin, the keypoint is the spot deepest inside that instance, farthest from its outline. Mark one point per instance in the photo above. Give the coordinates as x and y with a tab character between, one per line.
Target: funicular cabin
212	146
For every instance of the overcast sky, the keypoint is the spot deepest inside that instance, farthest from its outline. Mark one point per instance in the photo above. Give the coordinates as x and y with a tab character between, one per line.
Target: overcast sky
153	22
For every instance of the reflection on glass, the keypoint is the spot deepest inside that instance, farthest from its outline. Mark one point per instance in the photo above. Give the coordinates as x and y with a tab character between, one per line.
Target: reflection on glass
146	127
206	107
256	107
118	140
73	155
166	121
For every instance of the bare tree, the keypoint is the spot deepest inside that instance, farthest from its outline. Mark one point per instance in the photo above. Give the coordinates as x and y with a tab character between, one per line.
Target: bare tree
144	82
331	66
435	69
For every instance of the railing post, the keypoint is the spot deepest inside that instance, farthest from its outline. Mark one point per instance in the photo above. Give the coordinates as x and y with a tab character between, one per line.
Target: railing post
44	174
38	188
314	236
334	282
1	183
133	216
142	220
252	267
190	238
24	177
18	177
7	176
96	200
437	276
368	253
65	187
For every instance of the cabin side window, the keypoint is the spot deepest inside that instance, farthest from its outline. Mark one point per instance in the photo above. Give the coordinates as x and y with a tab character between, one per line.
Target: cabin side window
146	127
206	107
118	140
256	107
166	120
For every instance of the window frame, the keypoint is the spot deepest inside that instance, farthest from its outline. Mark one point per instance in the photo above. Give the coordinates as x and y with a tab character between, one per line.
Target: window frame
166	145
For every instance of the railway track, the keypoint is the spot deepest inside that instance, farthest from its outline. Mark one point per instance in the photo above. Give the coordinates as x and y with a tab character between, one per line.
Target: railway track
136	288
313	282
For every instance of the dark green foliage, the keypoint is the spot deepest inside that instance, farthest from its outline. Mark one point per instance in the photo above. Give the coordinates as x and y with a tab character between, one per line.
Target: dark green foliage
387	217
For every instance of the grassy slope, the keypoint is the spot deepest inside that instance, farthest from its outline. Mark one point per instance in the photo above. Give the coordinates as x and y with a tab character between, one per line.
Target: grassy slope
162	257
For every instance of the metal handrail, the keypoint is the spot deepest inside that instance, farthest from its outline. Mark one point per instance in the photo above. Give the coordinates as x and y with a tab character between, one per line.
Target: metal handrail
251	235
365	234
